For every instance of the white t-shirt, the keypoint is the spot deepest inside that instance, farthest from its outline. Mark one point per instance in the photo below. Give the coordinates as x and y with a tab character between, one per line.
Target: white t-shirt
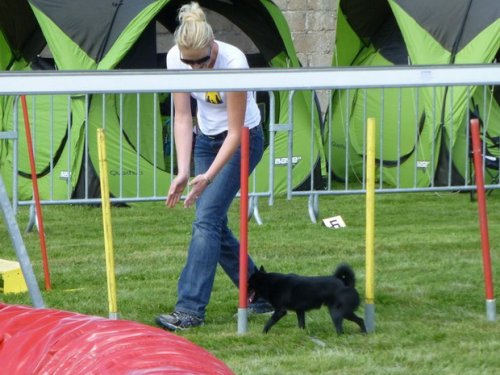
212	106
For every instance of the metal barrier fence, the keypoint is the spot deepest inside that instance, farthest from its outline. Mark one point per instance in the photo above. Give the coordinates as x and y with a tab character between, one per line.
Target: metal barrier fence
422	116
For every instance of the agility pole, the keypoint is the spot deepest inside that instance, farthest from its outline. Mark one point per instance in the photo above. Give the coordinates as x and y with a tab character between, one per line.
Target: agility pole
370	227
245	167
106	222
483	219
36	195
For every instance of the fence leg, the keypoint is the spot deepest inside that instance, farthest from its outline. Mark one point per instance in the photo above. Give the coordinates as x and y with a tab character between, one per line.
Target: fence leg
313	207
22	254
32	219
253	210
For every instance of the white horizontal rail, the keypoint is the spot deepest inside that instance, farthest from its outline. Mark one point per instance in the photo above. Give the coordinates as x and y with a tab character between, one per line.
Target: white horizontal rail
128	81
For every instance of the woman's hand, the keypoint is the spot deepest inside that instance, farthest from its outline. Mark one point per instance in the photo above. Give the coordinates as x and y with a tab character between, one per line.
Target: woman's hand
198	185
183	134
175	192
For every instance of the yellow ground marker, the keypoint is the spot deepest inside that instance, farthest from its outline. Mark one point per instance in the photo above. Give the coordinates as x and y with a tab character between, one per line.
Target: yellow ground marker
11	277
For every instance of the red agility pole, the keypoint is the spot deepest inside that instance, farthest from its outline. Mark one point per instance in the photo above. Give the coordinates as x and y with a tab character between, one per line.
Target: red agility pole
483	219
245	167
41	231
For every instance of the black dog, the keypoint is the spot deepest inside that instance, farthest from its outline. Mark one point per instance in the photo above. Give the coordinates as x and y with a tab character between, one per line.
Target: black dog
304	293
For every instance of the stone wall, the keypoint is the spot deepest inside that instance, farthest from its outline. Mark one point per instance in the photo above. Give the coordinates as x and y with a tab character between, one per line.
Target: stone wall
312	24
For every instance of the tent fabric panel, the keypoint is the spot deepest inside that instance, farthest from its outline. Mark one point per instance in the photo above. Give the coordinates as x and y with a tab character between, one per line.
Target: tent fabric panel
76	47
138	29
388	42
457	121
20	28
303	139
284	31
489	113
48	116
444	107
422	47
462	28
149	130
386	37
483	48
67	55
131	18
450	112
141	55
395	113
347	42
410	166
246	15
450	117
400	146
366	17
108	17
130	175
51	185
307	147
72	18
6	53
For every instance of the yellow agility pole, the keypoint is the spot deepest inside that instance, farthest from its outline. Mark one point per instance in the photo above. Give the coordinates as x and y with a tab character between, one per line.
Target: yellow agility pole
370	227
106	222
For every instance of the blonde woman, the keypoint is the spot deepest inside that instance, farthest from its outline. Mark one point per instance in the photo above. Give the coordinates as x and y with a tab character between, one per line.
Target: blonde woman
221	117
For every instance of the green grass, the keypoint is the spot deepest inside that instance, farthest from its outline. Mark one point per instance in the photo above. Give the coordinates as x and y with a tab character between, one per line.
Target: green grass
430	296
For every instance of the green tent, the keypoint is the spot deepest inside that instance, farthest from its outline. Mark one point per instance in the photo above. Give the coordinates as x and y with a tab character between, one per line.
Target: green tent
421	132
104	35
60	156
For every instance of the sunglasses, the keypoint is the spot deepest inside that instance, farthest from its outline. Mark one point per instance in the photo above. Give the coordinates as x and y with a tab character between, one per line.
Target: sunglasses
201	61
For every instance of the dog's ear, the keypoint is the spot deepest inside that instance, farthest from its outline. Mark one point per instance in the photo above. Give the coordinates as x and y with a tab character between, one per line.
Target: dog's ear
261	269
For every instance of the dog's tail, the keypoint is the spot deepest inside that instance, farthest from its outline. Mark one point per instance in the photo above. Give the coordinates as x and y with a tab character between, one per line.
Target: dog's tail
345	273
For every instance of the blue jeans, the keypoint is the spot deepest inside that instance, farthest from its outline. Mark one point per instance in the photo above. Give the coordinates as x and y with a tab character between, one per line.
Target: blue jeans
212	241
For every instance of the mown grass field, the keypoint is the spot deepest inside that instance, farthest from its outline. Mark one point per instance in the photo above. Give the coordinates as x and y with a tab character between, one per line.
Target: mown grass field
429	285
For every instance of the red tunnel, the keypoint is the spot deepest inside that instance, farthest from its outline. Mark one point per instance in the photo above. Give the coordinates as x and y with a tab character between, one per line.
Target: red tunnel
46	341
